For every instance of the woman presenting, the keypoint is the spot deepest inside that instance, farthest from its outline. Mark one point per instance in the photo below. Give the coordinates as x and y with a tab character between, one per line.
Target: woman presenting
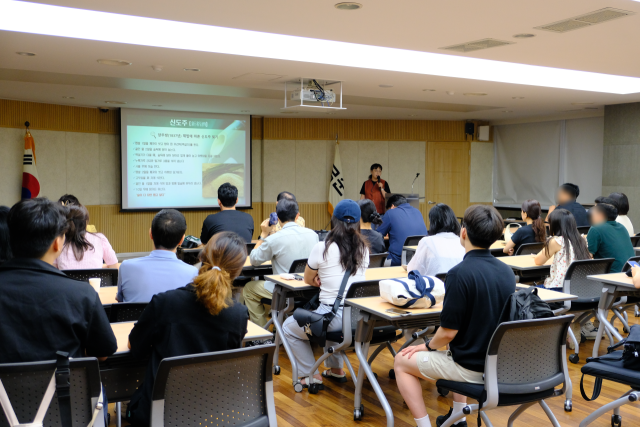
375	188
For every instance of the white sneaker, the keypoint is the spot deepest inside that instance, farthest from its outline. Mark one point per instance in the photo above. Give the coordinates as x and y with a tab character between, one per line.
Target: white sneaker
589	330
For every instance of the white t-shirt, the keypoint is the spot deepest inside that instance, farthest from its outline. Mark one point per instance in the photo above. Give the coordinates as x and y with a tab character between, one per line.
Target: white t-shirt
437	254
624	220
331	272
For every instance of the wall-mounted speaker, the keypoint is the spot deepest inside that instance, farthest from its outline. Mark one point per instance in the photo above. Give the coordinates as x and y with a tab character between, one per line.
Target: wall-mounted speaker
469	128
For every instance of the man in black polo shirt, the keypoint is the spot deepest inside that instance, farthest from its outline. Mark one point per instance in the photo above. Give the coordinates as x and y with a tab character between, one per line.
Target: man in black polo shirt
228	219
41	309
476	292
566	197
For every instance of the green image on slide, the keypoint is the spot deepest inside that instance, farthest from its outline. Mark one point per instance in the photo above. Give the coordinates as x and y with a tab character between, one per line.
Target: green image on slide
216	174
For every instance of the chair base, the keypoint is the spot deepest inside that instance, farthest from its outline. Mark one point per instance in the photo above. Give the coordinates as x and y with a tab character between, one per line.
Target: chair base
616	420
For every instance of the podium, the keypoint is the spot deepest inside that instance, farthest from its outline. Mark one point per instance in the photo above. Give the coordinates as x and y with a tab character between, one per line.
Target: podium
413	199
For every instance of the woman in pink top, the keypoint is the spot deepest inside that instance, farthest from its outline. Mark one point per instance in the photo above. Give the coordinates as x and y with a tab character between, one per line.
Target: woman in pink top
84	250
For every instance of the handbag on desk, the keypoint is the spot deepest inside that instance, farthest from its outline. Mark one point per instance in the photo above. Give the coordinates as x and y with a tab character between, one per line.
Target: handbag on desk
315	325
508	233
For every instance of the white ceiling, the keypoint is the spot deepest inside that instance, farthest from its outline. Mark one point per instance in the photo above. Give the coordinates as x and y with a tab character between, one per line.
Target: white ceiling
68	67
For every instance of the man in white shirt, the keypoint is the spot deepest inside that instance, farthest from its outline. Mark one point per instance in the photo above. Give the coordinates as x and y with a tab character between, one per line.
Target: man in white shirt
291	243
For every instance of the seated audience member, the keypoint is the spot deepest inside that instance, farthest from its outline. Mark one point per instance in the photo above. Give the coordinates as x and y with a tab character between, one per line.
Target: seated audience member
441	249
43	311
84	250
608	238
636	277
5	247
228	219
291	243
369	215
71	200
477	290
401	221
278	226
140	279
623	209
343	249
198	318
533	232
566	197
565	246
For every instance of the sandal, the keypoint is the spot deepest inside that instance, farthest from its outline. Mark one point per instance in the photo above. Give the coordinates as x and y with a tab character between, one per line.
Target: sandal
315	381
336	377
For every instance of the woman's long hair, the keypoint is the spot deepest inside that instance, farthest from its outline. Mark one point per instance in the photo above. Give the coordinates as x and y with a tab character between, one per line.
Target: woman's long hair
563	224
351	243
5	248
76	236
222	260
534	211
368	212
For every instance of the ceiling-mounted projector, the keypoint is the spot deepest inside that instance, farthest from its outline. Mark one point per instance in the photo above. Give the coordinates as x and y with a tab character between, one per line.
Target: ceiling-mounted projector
315	93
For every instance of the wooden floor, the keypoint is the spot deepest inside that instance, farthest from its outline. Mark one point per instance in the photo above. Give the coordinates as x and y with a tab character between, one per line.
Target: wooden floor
334	405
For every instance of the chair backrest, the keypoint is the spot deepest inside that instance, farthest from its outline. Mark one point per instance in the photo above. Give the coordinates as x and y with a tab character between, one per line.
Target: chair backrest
369	288
250	247
377	260
189	256
223	388
578	283
126	311
627	266
584	229
527	356
298	266
26	384
107	276
635	241
413	240
530	248
441	276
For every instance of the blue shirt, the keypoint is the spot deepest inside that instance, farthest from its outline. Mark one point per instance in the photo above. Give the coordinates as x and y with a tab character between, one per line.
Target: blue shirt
139	279
400	223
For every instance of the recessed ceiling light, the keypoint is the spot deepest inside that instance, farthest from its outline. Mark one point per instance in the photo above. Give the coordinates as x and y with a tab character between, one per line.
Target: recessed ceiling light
245	111
385	86
507	111
413	115
428	90
450	92
348	5
26	53
518	97
157	105
523	36
115	102
192	69
582	103
69	97
58	21
474	94
114	62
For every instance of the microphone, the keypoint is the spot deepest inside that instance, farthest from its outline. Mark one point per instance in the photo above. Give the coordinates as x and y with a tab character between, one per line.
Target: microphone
414	180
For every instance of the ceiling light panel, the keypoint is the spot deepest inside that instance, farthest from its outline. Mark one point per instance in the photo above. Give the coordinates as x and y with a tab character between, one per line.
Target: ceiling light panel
95	25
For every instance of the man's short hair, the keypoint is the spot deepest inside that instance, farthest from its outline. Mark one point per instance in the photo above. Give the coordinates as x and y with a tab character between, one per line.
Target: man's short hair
376	166
623	202
600	199
571	189
228	195
484	225
608	210
287	210
287	195
167	229
33	226
69	200
607	200
396	200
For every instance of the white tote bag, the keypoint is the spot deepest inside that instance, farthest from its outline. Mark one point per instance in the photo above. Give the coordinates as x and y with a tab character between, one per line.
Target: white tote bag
415	291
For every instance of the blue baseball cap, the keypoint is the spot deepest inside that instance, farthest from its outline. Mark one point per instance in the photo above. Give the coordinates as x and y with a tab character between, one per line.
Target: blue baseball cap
347	211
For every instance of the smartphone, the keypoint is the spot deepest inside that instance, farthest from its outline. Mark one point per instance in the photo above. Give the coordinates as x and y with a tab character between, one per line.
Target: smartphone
273	218
634	264
398	311
298	276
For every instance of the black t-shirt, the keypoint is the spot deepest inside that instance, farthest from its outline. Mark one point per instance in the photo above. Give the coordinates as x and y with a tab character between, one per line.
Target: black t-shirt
376	241
476	291
43	311
231	220
524	234
578	211
175	323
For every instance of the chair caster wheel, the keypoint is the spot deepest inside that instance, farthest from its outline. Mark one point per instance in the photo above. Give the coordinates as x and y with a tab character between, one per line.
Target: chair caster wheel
568	406
276	370
442	392
616	420
298	387
574	358
392	374
637	314
625	330
314	388
358	413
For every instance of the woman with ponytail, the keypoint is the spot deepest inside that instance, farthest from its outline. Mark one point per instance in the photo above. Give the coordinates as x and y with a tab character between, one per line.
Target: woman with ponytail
82	249
201	317
343	249
533	232
369	215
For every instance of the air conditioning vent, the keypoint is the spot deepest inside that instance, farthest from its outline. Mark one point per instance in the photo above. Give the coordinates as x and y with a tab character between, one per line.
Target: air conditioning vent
476	45
586	20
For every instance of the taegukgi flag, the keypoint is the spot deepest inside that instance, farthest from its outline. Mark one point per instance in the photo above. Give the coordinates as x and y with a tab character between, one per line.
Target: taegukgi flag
30	182
336	183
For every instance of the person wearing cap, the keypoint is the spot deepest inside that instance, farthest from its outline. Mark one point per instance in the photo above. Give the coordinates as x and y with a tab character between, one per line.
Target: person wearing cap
343	249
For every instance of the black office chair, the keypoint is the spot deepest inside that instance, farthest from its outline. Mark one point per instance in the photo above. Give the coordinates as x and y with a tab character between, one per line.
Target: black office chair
410	241
377	260
250	247
107	276
530	248
189	256
584	229
635	241
126	311
442	276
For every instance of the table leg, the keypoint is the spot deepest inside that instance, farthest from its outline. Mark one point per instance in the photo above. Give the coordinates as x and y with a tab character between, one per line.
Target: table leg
279	302
607	299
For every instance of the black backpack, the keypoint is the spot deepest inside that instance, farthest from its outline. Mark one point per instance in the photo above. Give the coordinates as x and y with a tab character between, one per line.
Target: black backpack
525	304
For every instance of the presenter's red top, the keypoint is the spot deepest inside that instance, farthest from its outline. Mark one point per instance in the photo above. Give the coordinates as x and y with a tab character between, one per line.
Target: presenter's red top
371	191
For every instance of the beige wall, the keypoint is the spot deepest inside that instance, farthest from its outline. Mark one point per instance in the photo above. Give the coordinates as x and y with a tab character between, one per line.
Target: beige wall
481	172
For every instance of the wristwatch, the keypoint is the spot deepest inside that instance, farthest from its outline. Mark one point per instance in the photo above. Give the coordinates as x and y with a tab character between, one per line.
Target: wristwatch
429	348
